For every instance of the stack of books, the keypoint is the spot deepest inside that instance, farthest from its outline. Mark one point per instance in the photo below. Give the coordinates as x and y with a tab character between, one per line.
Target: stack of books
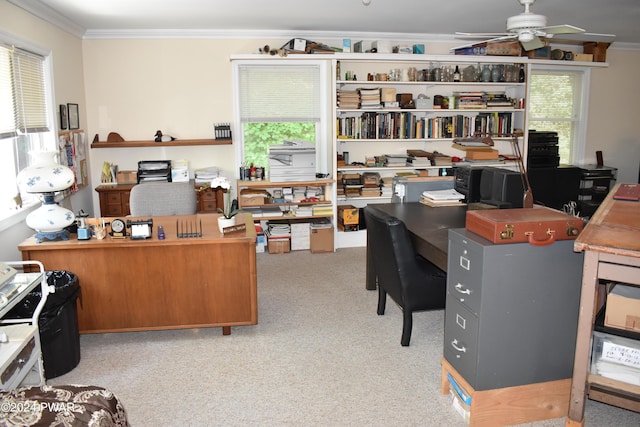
369	98
395	160
498	100
469	100
448	197
348	99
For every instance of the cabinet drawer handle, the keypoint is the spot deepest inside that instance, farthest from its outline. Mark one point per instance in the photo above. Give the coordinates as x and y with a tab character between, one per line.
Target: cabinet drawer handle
460	288
455	343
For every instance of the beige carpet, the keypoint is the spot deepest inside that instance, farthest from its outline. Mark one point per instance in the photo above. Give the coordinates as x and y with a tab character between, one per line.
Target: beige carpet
319	356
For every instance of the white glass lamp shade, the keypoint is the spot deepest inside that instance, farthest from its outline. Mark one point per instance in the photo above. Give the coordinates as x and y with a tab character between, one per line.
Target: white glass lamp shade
45	175
50	217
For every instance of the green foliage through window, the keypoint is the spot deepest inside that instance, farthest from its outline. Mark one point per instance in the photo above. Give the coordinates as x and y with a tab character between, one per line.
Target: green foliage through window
553	107
259	136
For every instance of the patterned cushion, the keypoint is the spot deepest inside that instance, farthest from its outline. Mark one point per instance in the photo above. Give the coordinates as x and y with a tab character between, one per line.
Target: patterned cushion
69	405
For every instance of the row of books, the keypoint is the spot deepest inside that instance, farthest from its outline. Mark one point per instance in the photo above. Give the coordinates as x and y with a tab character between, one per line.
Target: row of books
282	210
408	125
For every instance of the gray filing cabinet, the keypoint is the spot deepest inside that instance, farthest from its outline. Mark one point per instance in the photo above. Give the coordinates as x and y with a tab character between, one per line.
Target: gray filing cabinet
511	310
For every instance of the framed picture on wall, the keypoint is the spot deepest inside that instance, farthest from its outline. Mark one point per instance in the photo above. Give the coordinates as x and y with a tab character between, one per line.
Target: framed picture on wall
63	117
74	117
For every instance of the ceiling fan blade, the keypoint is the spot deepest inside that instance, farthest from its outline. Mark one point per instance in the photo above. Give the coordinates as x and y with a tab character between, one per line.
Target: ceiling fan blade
536	43
495	39
562	29
585	37
479	35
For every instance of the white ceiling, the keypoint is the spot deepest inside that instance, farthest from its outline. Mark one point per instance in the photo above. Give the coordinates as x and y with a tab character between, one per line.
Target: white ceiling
424	18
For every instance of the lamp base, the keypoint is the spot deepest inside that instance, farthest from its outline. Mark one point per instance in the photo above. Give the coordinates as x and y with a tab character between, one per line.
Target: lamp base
52	235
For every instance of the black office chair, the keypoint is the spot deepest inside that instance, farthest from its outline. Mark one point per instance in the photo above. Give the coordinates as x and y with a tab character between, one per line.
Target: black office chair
414	283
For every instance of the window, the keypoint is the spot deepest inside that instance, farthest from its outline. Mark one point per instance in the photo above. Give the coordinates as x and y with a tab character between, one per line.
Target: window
557	102
278	101
25	118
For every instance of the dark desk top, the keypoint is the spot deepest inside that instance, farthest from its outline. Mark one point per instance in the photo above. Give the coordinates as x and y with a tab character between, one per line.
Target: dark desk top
429	227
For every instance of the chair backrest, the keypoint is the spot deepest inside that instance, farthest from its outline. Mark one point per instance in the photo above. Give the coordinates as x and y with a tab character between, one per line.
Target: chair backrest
392	250
163	199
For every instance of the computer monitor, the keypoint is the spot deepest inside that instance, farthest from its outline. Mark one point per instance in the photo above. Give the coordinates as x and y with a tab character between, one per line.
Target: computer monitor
501	188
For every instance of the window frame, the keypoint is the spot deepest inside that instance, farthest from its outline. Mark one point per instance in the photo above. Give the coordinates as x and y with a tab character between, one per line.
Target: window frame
323	145
579	126
49	137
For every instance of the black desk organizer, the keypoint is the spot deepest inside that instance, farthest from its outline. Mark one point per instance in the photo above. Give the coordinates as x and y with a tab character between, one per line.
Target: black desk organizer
154	171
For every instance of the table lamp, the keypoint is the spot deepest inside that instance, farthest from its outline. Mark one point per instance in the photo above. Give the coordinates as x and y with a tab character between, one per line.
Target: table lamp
46	178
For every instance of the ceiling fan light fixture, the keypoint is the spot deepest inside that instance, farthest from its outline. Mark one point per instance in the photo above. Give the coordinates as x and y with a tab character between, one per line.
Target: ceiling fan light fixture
526	36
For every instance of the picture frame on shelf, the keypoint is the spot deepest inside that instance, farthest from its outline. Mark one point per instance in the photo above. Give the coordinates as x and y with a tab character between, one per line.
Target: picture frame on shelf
74	116
63	117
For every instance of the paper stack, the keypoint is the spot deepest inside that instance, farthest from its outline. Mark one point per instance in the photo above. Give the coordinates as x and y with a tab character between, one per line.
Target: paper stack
449	197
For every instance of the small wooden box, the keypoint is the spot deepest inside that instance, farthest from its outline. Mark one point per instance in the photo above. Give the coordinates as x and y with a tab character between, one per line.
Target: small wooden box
597	49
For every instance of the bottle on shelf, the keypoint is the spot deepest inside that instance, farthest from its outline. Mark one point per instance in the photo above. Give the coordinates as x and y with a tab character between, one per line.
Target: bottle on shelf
521	75
456	74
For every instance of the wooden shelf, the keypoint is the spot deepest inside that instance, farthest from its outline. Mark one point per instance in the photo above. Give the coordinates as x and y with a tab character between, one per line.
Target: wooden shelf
176	143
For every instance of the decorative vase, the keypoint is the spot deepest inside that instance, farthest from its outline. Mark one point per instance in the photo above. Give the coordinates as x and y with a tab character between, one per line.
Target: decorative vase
225	222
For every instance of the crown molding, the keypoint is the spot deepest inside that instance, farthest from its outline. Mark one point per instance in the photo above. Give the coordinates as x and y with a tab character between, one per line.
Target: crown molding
49	15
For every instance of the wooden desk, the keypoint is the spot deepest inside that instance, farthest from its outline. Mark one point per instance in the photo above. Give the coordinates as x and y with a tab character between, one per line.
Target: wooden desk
135	285
429	228
611	242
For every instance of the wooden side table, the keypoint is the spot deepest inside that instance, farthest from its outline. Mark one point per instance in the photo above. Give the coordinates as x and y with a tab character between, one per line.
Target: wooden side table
611	242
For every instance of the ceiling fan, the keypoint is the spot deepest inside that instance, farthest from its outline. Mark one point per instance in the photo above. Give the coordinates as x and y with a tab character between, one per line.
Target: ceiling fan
530	28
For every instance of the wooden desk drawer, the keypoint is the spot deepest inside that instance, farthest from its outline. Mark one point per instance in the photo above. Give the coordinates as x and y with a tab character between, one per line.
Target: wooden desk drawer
209	206
114	210
209	195
114	197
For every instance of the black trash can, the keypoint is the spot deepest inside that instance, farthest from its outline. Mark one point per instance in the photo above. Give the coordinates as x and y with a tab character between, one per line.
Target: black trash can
58	322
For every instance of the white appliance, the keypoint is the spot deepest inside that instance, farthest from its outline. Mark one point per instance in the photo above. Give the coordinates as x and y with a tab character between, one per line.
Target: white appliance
292	161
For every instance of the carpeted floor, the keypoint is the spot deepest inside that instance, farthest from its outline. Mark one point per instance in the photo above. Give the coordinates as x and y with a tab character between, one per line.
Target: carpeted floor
319	356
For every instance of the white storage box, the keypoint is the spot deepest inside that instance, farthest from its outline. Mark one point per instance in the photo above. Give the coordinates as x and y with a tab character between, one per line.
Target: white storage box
300	236
615	357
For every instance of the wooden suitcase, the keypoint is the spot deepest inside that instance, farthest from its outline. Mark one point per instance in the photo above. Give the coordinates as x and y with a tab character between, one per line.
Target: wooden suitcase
538	225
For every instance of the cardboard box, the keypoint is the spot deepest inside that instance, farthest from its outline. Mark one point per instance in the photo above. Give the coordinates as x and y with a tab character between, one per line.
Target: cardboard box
483	154
583	57
504	49
321	240
348	215
623	308
252	200
127	177
279	246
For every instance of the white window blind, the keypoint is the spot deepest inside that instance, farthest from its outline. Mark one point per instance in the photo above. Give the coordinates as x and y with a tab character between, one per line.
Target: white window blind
22	93
279	93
